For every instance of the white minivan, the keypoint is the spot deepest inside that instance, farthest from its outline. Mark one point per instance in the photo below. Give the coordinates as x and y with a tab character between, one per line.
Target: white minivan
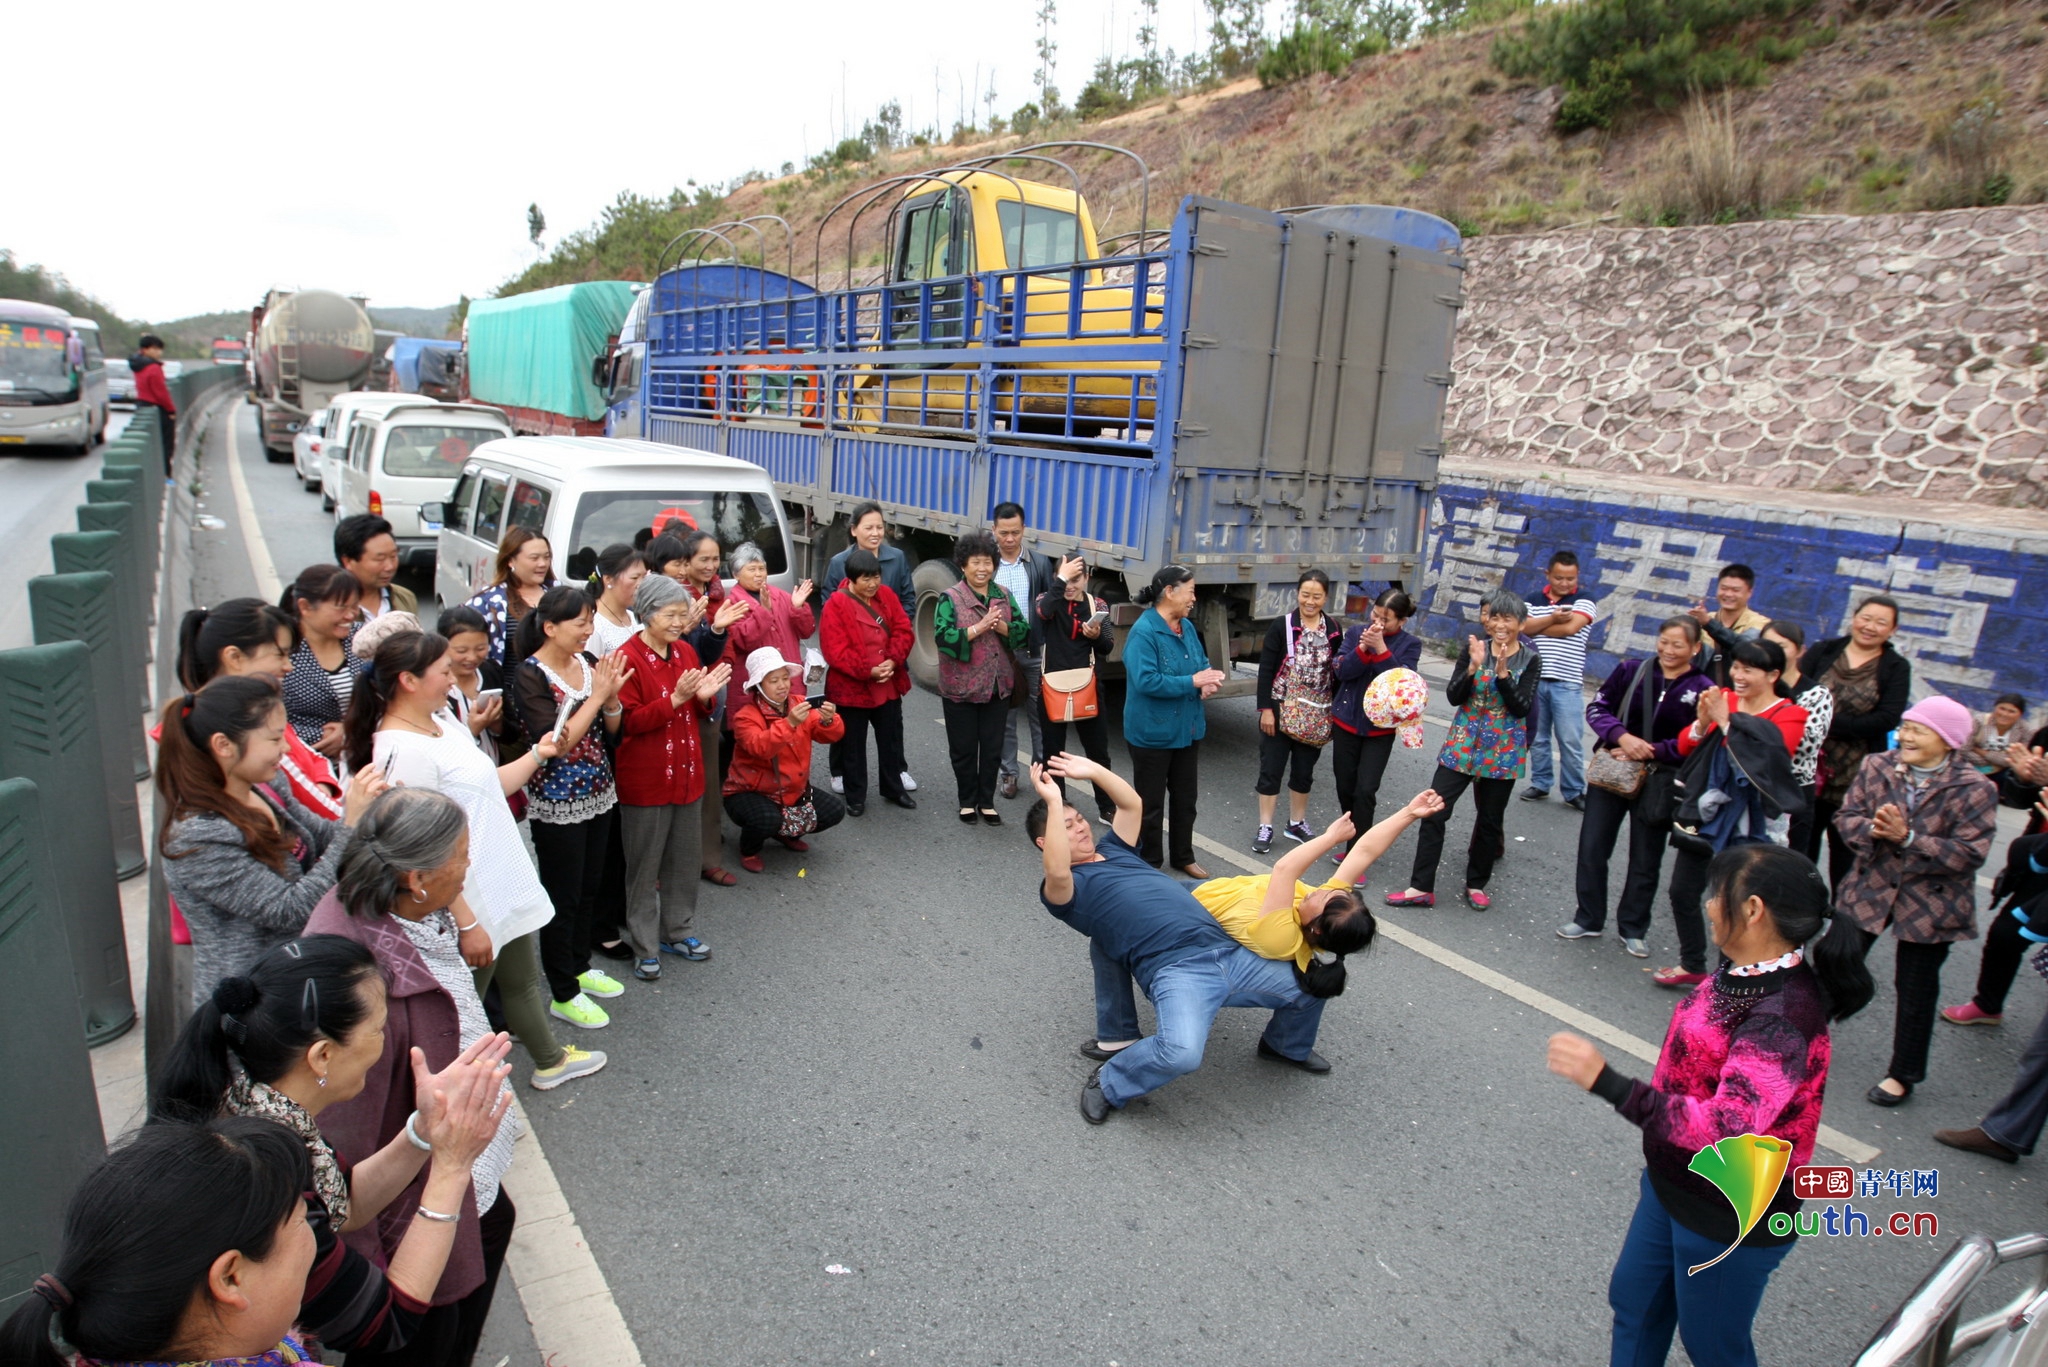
586	493
341	416
409	454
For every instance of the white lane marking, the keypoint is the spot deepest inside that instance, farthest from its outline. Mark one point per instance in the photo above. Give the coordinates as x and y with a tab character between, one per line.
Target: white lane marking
1855	1150
576	1323
268	586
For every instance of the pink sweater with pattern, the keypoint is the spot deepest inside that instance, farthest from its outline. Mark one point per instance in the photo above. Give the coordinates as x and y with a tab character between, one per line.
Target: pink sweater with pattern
1743	1056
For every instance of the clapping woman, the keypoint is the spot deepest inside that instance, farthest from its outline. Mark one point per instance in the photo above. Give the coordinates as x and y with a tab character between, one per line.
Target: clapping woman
297	1034
978	628
1492	687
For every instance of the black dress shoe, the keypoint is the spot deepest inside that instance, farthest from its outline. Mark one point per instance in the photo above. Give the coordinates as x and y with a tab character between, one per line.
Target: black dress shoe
1314	1063
1973	1140
1095	1107
1093	1049
621	951
900	799
856	809
991	817
1878	1096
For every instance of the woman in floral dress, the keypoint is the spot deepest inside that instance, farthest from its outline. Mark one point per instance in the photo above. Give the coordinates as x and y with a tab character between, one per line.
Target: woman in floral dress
1493	688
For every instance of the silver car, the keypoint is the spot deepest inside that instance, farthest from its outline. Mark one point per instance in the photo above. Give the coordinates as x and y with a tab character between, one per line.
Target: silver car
306	444
120	382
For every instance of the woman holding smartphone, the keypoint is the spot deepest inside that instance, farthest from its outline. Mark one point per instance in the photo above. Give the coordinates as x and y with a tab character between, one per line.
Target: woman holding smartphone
1075	624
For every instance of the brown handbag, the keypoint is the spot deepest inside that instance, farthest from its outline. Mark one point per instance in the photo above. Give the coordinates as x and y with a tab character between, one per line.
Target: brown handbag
1607	768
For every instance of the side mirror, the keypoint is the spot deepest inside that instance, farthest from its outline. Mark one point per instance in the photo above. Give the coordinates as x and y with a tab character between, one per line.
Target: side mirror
601	371
434	513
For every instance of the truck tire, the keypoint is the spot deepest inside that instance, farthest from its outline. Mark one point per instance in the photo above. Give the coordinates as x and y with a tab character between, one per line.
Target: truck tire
930	579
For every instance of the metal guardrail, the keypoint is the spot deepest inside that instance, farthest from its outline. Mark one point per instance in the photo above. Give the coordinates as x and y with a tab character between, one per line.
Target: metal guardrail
1927	1330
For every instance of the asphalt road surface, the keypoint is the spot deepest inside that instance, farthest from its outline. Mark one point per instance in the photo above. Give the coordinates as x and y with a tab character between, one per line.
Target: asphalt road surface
40	491
851	1137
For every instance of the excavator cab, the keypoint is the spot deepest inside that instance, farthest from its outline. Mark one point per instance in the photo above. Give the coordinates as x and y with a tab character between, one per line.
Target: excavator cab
934	236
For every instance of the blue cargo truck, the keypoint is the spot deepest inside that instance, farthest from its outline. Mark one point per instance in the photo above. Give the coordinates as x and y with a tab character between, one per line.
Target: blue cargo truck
1247	393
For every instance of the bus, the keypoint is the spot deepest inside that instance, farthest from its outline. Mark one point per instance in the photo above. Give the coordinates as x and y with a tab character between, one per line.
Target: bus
43	396
94	380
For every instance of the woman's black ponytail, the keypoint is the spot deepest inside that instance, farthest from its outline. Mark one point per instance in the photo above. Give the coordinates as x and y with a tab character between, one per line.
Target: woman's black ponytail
562	603
1344	926
1791	889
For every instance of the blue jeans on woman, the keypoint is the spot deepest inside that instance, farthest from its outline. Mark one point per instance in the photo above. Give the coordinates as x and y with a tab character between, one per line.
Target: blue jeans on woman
1186	995
1652	1295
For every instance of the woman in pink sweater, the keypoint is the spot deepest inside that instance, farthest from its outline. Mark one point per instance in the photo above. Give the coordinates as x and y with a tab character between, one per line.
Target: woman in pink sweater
1744	1064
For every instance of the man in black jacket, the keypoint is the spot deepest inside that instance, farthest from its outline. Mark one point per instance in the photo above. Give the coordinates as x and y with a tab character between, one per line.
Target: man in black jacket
1026	574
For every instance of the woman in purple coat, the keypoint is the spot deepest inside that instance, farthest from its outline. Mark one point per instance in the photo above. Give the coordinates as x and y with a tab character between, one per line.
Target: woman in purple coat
1358	749
1639	713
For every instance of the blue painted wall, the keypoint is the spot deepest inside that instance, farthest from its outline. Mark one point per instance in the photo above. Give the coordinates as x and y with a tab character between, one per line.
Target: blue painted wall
1972	600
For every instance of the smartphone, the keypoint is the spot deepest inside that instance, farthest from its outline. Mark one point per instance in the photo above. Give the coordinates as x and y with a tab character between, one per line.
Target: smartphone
1099	618
484	695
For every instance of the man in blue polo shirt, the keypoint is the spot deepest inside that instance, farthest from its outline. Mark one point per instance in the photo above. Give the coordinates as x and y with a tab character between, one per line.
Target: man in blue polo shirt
1145	923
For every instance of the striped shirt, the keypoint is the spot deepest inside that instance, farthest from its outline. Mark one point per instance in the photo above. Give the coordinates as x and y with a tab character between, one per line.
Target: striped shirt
1564	657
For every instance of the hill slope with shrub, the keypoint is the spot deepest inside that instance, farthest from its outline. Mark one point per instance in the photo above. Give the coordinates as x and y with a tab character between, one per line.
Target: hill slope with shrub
1653	112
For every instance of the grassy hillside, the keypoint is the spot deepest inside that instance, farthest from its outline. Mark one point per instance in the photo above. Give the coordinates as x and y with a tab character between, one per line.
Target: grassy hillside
42	286
1643	111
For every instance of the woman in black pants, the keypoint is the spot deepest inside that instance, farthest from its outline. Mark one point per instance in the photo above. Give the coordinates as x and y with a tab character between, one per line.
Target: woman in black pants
2018	893
1638	713
1072	644
1869	681
1919	821
1493	688
1359	750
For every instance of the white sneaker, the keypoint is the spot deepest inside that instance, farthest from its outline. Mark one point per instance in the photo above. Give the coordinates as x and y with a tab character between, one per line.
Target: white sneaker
838	783
909	783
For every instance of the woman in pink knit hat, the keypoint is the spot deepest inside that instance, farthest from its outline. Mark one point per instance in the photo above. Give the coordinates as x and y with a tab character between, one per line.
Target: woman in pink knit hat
1919	820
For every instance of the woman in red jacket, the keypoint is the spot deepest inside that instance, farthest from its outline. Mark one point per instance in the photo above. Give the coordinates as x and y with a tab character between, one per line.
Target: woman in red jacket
660	774
768	786
866	640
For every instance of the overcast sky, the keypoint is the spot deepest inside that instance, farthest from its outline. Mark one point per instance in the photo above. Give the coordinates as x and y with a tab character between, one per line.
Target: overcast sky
200	153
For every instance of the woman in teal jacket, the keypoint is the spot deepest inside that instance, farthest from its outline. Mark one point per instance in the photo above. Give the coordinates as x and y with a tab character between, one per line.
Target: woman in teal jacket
1167	678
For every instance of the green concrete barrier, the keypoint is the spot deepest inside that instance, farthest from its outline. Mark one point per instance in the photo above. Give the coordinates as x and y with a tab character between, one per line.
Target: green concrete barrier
80	607
101	553
50	1127
135	581
51	740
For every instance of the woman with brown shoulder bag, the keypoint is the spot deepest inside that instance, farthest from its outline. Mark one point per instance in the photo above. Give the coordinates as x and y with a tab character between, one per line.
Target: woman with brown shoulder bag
1075	624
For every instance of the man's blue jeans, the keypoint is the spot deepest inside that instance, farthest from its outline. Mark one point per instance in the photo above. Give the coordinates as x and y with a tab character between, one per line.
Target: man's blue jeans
1652	1295
1186	995
1561	712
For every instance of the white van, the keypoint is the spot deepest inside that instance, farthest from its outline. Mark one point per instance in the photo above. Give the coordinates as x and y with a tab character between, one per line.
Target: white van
341	416
586	493
409	454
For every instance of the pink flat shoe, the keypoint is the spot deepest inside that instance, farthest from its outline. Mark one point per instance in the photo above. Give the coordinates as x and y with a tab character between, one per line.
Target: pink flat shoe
1477	899
1969	1013
1677	977
1411	899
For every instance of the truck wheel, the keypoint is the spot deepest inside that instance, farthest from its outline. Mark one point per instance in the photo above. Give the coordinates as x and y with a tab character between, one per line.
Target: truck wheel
930	579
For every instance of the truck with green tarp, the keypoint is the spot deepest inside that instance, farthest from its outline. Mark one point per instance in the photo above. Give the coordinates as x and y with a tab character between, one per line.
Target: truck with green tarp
533	354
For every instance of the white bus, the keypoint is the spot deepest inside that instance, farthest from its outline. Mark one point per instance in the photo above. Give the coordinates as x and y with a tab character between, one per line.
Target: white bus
42	380
94	382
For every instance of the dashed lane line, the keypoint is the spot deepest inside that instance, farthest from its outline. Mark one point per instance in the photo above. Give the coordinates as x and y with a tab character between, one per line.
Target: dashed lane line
576	1323
1855	1150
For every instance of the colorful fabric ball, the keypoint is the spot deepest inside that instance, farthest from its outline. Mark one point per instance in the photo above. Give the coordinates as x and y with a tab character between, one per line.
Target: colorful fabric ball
1396	700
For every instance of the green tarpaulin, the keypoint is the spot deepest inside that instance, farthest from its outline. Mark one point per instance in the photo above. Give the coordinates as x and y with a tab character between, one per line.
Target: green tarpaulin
534	350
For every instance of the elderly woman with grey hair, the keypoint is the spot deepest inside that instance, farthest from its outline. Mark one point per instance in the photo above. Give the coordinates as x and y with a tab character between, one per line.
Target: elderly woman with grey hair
783	621
1493	688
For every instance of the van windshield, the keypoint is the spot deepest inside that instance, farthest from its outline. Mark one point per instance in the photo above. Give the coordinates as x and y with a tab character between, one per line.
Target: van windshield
632	516
433	452
35	357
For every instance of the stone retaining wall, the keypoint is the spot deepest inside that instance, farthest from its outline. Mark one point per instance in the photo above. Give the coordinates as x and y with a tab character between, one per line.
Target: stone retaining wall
1898	354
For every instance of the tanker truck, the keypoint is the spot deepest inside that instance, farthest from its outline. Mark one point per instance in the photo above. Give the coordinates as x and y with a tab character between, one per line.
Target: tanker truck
310	345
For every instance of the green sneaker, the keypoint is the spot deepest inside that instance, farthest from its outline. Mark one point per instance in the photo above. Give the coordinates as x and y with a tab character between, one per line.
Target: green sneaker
581	1012
598	983
575	1063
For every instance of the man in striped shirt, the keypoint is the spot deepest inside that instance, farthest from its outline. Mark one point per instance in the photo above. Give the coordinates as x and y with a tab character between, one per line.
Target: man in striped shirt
1558	627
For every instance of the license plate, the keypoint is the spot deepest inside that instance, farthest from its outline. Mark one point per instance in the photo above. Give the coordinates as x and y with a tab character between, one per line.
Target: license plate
6	440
